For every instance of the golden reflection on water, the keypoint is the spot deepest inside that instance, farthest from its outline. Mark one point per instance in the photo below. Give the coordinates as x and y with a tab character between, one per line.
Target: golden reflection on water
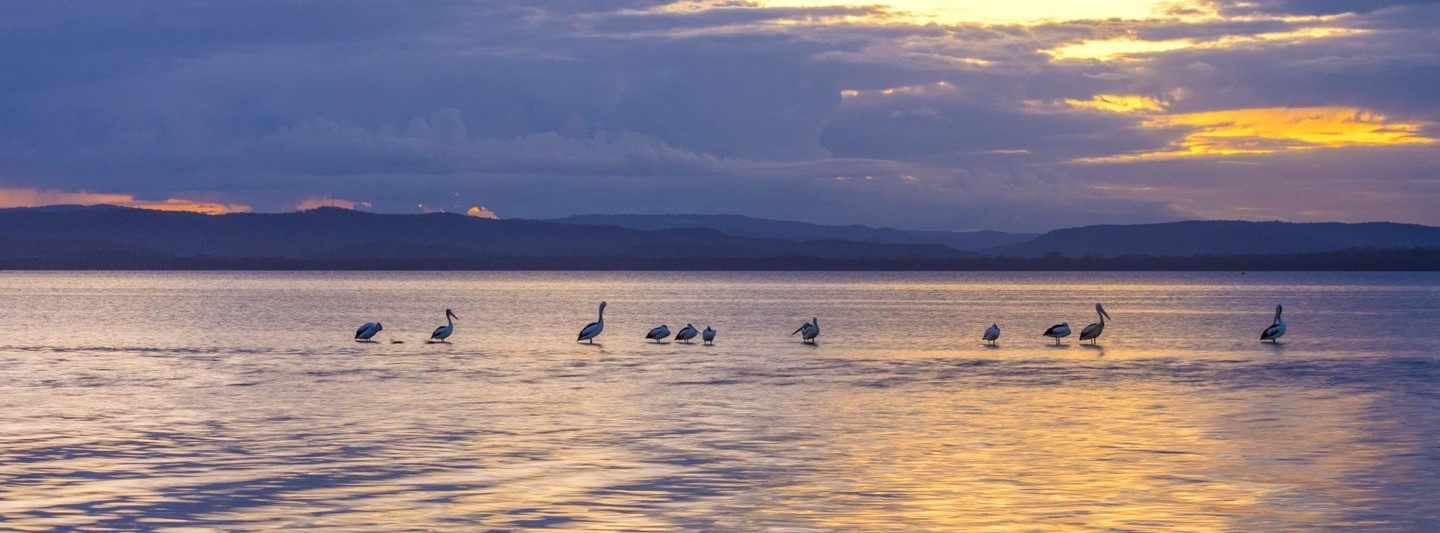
879	428
1066	458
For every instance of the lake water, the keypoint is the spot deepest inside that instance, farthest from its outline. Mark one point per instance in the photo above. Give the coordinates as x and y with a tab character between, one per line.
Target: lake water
238	401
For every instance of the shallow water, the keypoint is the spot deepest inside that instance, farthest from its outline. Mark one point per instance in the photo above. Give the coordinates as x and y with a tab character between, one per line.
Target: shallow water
237	401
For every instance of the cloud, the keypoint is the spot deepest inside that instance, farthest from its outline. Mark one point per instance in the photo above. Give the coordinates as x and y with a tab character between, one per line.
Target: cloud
729	106
1274	130
30	197
481	211
318	202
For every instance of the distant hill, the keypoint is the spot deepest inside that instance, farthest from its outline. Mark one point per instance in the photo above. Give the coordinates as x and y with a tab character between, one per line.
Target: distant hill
1220	237
83	235
742	226
108	237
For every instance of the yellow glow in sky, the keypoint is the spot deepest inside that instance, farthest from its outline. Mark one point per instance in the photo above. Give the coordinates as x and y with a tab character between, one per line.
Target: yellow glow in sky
1111	49
1125	47
1119	103
1009	11
927	89
1272	130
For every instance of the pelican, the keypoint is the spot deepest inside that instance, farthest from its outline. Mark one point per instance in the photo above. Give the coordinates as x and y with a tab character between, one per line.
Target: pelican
809	330
686	333
443	332
593	329
992	333
1276	329
658	333
1057	331
1093	331
708	335
367	330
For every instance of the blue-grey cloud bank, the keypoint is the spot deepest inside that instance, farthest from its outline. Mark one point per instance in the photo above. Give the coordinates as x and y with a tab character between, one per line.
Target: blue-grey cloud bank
915	114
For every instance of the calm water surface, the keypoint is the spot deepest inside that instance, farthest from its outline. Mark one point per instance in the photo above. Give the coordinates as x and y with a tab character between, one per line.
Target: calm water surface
237	401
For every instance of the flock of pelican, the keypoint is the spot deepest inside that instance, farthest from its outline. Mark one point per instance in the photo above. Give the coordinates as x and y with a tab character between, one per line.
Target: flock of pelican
808	331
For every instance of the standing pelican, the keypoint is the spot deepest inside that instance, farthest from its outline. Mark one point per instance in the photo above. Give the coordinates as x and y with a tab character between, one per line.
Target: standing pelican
992	333
809	330
1276	328
686	333
708	335
1057	331
367	330
658	333
443	332
1093	331
593	329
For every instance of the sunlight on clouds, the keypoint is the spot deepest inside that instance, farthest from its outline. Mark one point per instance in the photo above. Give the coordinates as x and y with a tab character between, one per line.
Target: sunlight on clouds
1007	11
926	89
1126	48
315	203
25	197
1275	130
481	211
1119	103
1112	49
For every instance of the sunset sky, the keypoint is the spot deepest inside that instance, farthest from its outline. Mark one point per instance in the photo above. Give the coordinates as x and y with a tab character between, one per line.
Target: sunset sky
923	114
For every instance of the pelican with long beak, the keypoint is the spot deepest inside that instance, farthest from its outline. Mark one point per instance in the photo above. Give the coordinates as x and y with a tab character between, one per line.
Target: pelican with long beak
686	333
443	332
658	333
1276	328
1093	331
992	333
367	330
1058	331
809	330
593	329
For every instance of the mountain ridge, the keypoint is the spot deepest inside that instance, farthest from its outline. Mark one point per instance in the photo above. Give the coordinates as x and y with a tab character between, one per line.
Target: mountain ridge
744	226
122	237
1222	237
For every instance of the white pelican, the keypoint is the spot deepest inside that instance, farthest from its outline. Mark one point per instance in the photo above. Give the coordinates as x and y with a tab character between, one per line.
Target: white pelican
367	330
708	335
686	333
1057	331
593	329
1093	331
658	333
809	330
992	333
443	332
1276	329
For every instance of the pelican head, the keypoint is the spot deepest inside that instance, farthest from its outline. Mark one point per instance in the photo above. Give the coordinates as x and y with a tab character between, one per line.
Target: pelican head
451	314
1278	309
1101	311
602	306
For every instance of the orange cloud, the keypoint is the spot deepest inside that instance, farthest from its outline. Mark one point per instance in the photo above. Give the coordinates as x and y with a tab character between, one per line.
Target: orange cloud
1128	47
482	212
1270	130
29	197
1119	103
315	203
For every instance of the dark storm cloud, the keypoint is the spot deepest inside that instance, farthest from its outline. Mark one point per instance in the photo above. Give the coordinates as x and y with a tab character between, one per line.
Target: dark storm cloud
551	108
